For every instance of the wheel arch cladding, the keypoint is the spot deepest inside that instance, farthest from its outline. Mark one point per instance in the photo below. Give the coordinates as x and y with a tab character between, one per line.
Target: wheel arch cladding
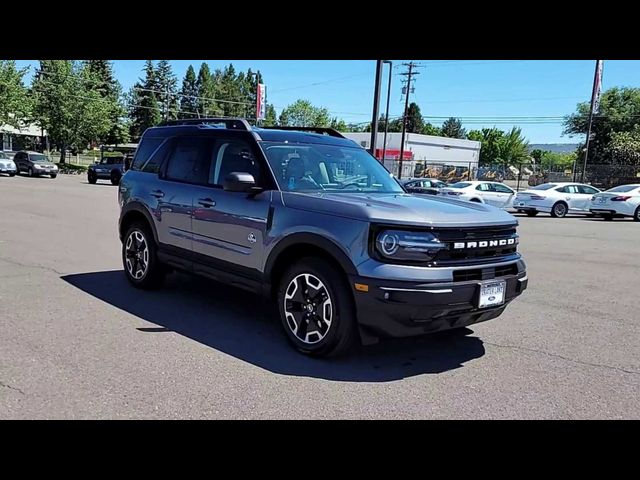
300	245
136	212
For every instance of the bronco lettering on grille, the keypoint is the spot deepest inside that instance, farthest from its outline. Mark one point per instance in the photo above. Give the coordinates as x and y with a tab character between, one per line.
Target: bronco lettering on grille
485	243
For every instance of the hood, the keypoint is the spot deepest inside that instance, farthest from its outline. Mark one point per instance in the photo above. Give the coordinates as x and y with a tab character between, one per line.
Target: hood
400	209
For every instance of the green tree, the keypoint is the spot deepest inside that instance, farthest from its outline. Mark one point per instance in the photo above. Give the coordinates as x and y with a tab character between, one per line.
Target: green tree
513	148
167	86
490	139
15	103
270	118
624	147
110	89
144	110
429	129
619	113
302	113
415	123
65	105
452	128
189	95
206	88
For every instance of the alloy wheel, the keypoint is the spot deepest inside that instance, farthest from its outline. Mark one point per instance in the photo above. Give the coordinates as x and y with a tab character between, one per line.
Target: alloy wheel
308	308
137	255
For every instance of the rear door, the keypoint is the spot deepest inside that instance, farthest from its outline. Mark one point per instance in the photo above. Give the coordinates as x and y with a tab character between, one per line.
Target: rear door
487	192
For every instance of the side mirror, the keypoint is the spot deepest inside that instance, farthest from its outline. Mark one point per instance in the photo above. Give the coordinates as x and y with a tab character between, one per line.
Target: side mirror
240	182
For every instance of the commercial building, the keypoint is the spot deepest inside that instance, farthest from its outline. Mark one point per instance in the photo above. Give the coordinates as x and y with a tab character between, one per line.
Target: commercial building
27	137
426	151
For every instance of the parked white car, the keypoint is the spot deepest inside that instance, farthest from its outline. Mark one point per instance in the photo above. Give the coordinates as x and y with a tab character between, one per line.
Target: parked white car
6	165
557	198
622	201
491	193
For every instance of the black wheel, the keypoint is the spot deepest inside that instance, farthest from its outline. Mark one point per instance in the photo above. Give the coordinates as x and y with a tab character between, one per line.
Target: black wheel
92	178
532	213
30	172
559	210
636	215
475	200
12	174
139	258
53	175
316	308
608	217
115	178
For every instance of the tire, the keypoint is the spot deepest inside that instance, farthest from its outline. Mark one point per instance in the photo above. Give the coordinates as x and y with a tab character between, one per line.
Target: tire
92	178
115	178
559	210
138	239
30	172
12	174
532	213
53	175
636	215
326	284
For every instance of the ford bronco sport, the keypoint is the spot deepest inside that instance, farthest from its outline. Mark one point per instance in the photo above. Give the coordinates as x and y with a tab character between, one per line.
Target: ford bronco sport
312	221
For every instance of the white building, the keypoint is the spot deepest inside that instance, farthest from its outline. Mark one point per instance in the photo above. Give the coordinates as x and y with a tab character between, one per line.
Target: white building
12	138
427	149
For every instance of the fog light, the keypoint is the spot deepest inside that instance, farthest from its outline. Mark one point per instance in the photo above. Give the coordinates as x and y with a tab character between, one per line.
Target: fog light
386	295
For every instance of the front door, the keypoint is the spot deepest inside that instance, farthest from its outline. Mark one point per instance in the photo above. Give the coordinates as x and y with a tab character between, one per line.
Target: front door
229	227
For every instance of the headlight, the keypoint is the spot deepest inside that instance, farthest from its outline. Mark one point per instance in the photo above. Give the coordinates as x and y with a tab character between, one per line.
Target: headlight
408	246
37	166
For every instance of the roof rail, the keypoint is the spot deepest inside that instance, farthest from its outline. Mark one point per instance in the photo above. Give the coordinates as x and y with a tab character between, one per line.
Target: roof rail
321	130
231	123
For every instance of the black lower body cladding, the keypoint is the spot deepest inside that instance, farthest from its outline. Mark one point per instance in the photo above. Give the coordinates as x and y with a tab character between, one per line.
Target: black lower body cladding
403	309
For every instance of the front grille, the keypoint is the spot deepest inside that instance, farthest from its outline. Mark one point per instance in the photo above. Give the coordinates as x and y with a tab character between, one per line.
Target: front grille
476	254
485	273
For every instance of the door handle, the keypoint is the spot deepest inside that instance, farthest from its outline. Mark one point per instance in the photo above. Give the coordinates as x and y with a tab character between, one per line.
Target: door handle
206	202
157	193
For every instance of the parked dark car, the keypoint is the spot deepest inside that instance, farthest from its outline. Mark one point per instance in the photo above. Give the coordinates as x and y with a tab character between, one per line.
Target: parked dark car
429	186
109	168
35	164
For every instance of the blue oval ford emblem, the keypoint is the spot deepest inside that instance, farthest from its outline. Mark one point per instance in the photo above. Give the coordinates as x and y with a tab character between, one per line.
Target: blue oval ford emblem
492	298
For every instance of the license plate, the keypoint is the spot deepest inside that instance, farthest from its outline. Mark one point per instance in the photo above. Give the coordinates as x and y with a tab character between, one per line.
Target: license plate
602	199
491	294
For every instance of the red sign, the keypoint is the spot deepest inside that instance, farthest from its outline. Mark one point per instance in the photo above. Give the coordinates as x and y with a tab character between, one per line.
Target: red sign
393	154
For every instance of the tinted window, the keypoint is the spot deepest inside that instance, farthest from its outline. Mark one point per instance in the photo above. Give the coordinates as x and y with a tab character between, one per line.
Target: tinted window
587	189
502	188
623	188
189	160
545	186
3	156
460	185
147	147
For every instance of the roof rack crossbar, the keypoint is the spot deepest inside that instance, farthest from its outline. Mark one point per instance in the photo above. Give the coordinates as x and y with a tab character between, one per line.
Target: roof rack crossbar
321	130
231	123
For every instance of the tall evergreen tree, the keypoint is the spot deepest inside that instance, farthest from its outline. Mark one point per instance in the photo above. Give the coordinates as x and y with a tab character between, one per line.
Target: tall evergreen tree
168	89
270	118
110	89
189	94
144	110
205	88
452	128
415	123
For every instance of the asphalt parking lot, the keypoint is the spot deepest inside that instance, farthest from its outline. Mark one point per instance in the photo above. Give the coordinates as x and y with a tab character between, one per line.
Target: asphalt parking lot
78	342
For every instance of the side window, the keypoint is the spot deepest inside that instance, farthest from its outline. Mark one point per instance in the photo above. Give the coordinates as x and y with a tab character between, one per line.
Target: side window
232	156
571	189
189	160
484	187
562	190
144	151
502	188
587	190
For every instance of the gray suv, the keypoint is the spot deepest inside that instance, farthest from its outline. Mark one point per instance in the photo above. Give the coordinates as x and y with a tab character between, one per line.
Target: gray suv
312	221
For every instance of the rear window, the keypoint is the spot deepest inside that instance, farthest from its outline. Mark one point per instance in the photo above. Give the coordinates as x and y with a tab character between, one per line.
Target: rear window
623	188
460	185
545	186
144	152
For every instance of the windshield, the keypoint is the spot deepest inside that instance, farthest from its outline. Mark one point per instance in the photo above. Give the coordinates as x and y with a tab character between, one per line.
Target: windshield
623	188
38	158
4	156
460	185
545	186
314	167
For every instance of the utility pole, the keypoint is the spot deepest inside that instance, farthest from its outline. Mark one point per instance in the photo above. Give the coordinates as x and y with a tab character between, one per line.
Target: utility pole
595	105
408	74
386	116
376	107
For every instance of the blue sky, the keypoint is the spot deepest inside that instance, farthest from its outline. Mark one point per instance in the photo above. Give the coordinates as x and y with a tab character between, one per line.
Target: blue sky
444	88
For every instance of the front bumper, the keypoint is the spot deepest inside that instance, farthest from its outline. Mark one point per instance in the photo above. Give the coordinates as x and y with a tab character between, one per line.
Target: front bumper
406	308
7	170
